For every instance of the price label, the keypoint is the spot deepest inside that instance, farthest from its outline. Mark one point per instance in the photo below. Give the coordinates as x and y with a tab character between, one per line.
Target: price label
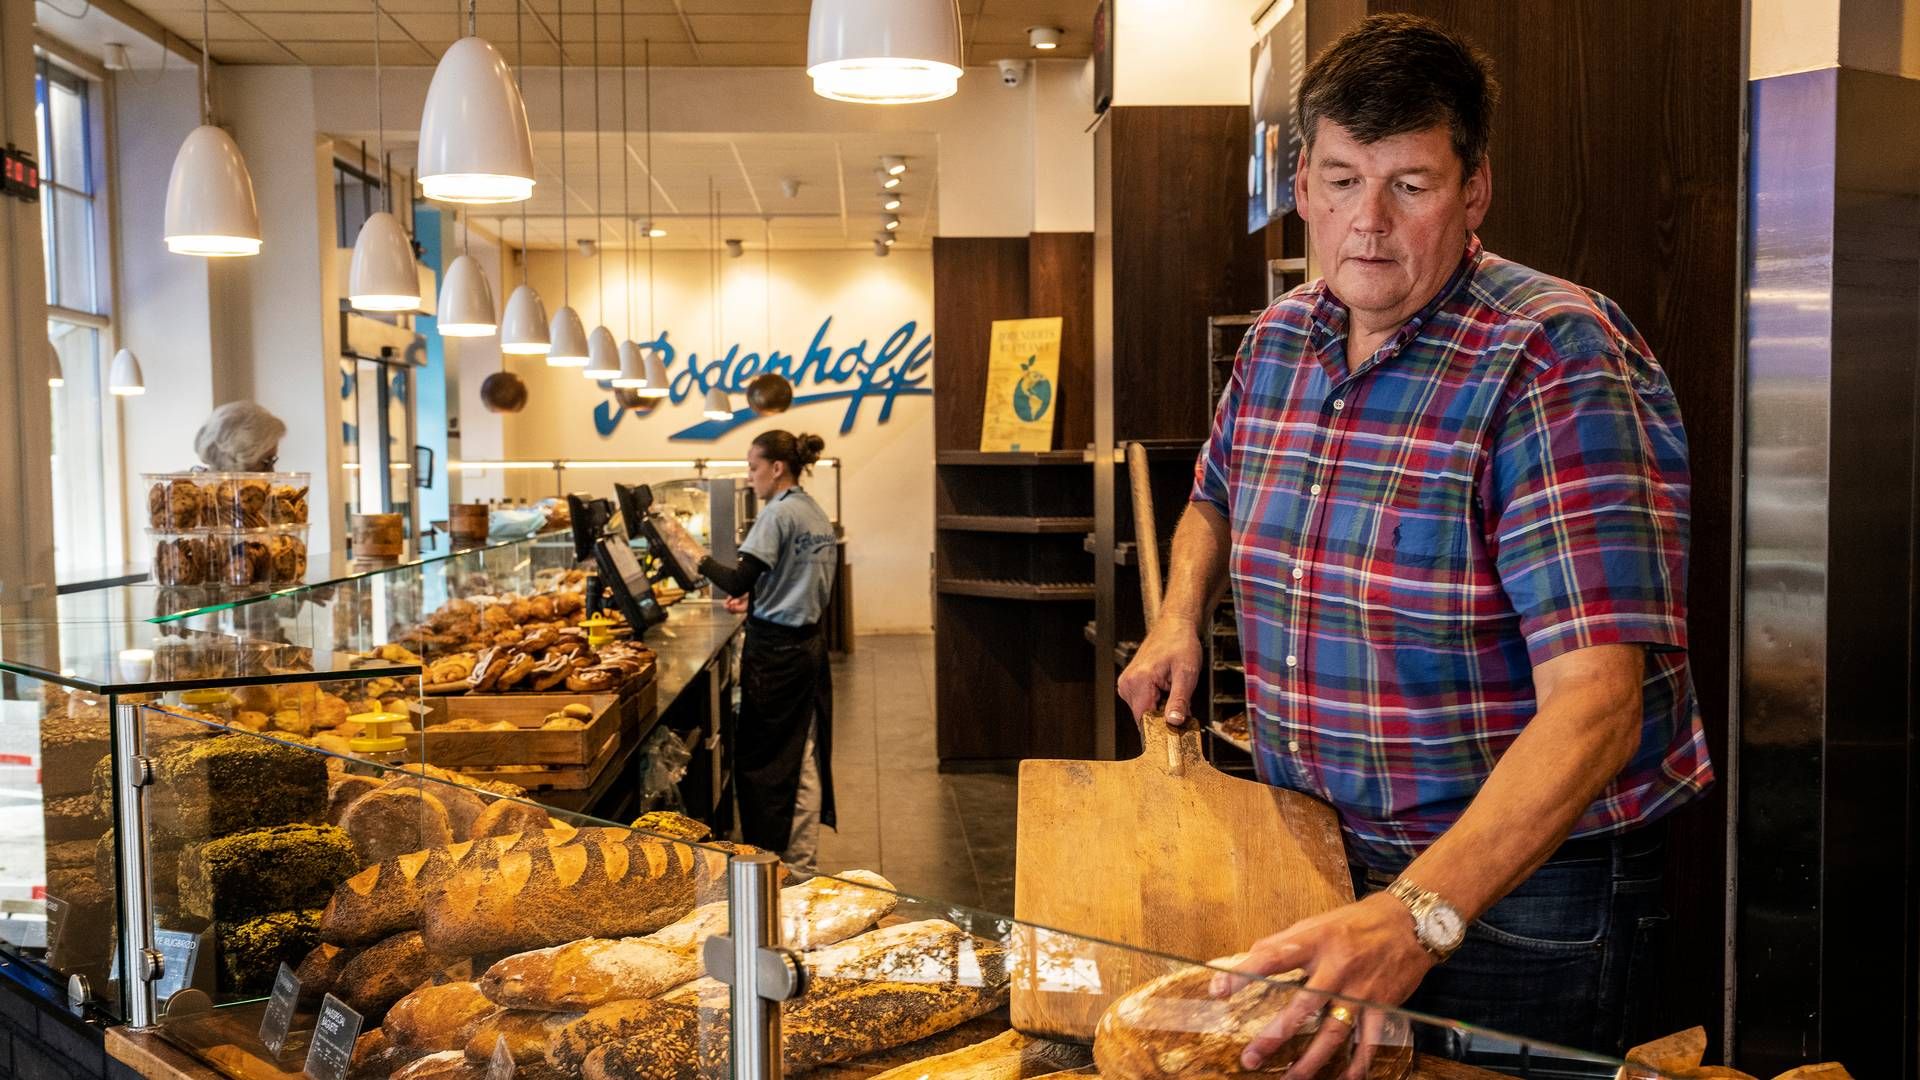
333	1037
180	953
56	924
279	1017
500	1066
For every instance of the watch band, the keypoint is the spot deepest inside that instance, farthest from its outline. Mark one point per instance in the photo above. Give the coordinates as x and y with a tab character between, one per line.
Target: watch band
1423	904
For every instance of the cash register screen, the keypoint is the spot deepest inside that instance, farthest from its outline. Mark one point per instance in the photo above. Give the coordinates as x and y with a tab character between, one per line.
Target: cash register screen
628	569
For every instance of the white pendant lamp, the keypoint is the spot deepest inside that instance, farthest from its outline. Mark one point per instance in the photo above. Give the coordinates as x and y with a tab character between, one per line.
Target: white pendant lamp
210	208
523	332
474	144
466	301
56	377
884	52
656	384
719	406
382	275
568	337
603	355
633	367
124	377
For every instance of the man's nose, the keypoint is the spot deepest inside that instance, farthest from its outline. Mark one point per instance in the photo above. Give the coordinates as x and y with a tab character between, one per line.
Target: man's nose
1374	212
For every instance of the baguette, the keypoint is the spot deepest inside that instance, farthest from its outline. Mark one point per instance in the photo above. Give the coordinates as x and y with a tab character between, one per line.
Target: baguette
1008	1056
529	1034
384	973
594	971
1174	1027
547	895
437	1018
387	897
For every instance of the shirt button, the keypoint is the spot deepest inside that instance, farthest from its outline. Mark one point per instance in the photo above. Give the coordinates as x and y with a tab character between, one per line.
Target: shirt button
1293	746
1339	403
1298	573
1314	490
1293	661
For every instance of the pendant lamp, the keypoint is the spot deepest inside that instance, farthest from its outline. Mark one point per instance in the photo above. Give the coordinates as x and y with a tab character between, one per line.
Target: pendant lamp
124	377
474	144
603	355
210	208
466	300
382	275
719	407
523	332
656	384
567	335
653	387
884	52
56	377
633	367
569	340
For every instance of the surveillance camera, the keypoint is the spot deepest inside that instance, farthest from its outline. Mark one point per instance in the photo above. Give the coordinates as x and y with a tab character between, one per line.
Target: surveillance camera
1011	72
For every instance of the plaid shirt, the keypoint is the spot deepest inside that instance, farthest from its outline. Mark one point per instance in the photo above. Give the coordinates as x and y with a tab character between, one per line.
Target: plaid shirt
1504	481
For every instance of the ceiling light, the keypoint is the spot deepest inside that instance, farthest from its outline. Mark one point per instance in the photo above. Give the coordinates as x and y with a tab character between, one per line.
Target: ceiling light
603	355
210	207
892	222
474	143
124	377
656	385
889	239
524	332
880	247
718	406
466	301
884	52
569	339
894	164
656	231
382	276
736	248
633	368
887	181
1043	37
892	202
115	57
55	376
789	187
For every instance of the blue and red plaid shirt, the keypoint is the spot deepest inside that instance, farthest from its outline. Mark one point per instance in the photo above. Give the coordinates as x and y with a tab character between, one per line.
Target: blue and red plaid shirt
1504	481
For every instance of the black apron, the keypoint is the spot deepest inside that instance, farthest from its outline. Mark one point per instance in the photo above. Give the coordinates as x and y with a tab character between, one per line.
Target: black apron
784	684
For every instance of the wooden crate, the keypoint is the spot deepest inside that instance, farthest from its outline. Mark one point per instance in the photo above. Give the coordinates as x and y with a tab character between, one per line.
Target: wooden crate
555	778
613	713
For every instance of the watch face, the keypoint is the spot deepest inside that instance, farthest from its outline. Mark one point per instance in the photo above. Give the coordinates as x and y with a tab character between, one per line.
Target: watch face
1443	925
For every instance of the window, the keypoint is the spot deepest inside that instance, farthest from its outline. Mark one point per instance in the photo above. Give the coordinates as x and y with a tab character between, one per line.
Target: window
74	236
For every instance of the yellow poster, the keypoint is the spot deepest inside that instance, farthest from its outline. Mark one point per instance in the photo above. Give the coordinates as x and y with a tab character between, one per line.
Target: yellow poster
1023	381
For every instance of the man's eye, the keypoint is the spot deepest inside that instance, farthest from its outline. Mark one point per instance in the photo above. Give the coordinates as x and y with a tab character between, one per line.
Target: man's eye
1411	189
1344	182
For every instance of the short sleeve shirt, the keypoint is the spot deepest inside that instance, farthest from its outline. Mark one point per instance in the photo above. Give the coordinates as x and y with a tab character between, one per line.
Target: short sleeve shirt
1503	481
794	537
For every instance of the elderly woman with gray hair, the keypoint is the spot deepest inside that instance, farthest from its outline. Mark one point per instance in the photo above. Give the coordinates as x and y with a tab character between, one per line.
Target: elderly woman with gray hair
240	437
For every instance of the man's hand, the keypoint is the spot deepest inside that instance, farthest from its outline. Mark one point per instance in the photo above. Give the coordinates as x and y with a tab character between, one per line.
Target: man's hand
1365	951
738	604
1169	662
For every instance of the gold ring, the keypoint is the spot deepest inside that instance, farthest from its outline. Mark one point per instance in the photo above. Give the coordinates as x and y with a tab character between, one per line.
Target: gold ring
1342	1014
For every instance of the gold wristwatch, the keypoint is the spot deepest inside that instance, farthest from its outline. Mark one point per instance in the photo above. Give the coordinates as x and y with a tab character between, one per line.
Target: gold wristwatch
1436	924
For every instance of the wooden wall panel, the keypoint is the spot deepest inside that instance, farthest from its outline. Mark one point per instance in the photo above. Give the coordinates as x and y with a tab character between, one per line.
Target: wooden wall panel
975	281
1181	252
1060	282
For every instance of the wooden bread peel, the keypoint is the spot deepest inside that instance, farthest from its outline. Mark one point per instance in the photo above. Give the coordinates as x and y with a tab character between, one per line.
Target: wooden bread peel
1162	853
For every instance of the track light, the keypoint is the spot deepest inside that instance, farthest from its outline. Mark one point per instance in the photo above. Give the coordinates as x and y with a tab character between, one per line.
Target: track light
891	202
892	222
736	248
887	180
881	247
1043	37
894	164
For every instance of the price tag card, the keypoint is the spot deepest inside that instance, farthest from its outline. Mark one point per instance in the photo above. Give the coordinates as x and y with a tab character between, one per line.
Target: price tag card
56	922
500	1066
333	1037
279	1016
179	952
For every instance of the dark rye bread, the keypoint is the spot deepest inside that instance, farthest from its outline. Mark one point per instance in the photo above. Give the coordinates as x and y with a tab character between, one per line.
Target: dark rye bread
593	887
387	897
278	868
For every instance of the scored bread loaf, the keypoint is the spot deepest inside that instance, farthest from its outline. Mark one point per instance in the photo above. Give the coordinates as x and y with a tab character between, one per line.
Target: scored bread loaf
1175	1027
435	1018
387	897
321	970
1007	1056
529	1034
384	973
593	971
595	887
509	816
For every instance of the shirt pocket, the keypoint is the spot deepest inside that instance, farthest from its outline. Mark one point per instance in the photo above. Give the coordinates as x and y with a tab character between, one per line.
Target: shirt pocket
1418	573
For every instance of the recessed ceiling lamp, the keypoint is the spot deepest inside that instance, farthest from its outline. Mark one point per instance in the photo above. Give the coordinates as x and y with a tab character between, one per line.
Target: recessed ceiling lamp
890	202
474	143
567	335
523	332
1043	37
718	406
893	164
884	52
892	222
466	300
382	275
124	377
55	376
210	208
887	180
603	349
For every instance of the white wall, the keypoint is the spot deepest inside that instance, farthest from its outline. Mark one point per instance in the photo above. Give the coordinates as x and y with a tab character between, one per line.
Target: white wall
1182	52
887	483
1786	36
1062	115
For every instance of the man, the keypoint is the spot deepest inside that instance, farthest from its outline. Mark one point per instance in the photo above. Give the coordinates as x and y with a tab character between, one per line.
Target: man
1451	495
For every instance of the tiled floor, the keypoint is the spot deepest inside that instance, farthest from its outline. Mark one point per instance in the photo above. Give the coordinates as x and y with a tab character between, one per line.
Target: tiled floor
947	838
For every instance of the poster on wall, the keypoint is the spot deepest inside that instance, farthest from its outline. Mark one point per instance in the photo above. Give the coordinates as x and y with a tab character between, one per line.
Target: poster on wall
1279	63
1023	370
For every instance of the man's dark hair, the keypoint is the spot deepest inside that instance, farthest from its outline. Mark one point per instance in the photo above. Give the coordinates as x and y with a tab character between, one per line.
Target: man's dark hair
1393	74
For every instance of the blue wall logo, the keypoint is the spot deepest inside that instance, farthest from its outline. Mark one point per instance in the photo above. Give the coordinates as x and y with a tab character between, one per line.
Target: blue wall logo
898	368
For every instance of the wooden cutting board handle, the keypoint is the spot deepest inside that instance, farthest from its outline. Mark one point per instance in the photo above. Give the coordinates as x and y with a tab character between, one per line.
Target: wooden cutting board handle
1175	751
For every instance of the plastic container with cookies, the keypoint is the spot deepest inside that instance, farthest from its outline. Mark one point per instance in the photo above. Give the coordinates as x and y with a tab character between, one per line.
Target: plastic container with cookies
286	554
287	498
240	557
180	558
239	500
176	502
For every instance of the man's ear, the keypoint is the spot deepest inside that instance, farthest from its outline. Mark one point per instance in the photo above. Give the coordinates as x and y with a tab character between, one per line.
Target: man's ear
1479	192
1300	184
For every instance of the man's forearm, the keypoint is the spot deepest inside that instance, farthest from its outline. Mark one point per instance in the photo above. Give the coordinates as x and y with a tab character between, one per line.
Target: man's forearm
1584	734
1198	569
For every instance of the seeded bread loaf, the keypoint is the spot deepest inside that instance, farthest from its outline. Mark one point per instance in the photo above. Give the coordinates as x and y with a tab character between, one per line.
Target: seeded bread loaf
204	788
384	973
252	951
278	868
436	1018
954	1038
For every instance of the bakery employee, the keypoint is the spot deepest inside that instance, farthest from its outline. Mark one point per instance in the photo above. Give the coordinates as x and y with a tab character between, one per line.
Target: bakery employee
240	436
1451	494
781	753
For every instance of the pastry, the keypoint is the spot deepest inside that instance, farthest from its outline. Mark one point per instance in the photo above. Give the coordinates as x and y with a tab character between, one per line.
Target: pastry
487	668
594	680
550	672
519	666
563	723
278	868
539	641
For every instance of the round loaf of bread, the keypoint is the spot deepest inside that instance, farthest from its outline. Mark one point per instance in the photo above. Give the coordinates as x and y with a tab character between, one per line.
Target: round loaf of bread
508	816
394	821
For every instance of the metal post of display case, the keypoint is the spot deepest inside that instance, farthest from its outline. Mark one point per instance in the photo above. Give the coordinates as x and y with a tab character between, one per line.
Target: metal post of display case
140	962
750	960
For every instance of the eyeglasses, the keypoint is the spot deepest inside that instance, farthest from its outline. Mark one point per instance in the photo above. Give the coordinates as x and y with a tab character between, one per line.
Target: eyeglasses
267	465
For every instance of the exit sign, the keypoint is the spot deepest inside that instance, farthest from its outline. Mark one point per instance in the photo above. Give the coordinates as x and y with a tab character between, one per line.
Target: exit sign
22	174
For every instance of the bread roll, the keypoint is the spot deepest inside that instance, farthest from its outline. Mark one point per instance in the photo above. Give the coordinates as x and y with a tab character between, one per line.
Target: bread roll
1174	1027
436	1018
1008	1056
382	974
394	821
529	1034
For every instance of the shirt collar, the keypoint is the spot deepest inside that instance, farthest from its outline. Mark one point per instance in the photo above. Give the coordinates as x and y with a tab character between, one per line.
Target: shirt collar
1330	314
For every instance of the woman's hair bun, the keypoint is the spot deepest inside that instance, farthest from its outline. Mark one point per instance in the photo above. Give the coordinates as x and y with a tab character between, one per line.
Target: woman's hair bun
811	447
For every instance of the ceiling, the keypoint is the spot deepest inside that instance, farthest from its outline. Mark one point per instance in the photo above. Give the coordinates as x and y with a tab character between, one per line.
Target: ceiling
718	33
837	204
